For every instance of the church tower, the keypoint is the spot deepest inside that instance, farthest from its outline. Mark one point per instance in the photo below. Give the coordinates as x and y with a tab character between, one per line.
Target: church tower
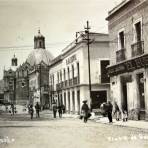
39	41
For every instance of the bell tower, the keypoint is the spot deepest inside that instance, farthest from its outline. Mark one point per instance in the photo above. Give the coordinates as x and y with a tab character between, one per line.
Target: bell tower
39	41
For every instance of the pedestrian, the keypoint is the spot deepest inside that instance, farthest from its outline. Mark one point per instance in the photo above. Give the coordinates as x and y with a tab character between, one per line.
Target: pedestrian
37	108
109	111
125	116
117	111
60	111
63	108
31	110
85	110
12	109
54	108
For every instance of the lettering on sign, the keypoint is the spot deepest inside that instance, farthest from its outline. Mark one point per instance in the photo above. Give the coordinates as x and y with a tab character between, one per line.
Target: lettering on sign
129	66
71	59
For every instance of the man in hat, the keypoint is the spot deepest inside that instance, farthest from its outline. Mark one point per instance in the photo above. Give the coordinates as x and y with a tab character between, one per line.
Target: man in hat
85	110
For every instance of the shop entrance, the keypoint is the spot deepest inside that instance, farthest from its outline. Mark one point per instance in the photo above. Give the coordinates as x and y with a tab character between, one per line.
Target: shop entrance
98	97
140	81
124	81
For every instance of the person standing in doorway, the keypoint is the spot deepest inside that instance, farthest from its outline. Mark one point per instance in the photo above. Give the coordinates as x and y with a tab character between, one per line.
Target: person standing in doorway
109	111
85	110
37	108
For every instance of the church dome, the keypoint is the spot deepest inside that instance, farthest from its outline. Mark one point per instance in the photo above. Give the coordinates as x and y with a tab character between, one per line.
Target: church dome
39	53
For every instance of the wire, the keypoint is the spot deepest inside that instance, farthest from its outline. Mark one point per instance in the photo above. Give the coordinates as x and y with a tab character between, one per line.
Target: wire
31	46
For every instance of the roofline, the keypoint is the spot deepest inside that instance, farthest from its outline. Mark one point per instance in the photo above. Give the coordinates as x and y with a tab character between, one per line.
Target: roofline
73	43
117	8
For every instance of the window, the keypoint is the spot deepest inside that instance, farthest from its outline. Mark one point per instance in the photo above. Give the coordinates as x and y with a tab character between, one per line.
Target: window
40	44
138	30
72	71
53	79
68	73
78	72
121	39
104	75
60	75
64	75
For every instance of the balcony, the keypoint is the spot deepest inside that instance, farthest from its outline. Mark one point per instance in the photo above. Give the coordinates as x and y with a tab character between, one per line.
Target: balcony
120	55
65	83
75	81
58	86
137	48
70	82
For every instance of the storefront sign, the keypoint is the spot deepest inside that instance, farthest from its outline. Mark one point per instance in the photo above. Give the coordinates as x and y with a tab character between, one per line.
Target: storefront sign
71	59
128	66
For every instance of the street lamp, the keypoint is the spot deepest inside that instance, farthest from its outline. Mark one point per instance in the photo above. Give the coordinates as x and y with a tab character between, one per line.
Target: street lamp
85	34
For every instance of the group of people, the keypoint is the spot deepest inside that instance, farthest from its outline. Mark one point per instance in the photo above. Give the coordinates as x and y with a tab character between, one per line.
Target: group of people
110	112
37	108
85	111
60	109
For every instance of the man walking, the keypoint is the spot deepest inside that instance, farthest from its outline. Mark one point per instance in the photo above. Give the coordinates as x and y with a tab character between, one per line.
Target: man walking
37	108
85	110
60	111
54	108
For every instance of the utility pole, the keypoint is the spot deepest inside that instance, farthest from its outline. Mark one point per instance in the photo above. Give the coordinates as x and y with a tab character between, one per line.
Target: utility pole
86	35
87	28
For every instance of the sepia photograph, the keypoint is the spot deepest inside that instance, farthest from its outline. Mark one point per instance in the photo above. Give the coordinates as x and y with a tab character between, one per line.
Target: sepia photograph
73	73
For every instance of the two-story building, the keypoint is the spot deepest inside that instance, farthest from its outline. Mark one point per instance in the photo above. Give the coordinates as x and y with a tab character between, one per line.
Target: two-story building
128	29
69	73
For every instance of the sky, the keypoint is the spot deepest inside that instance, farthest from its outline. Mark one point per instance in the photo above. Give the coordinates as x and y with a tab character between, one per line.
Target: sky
58	21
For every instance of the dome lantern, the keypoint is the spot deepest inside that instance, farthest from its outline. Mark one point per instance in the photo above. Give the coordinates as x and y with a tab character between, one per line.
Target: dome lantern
39	41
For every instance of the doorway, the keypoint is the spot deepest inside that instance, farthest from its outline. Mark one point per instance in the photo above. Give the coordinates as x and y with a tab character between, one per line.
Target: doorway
124	97
98	97
140	81
73	101
78	101
69	102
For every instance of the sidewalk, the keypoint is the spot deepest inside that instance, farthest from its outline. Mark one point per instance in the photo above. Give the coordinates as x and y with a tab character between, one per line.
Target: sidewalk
104	120
130	123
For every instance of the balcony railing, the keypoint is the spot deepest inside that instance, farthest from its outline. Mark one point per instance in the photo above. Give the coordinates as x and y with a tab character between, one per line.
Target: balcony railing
58	86
67	83
120	55
137	48
70	82
75	81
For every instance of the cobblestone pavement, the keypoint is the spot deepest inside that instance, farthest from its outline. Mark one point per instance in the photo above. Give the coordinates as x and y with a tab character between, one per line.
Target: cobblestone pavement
67	133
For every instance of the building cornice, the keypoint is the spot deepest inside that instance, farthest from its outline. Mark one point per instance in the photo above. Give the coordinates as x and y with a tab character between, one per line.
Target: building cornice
117	8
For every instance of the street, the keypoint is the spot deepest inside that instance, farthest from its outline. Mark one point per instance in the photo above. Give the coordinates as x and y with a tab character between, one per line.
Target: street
21	132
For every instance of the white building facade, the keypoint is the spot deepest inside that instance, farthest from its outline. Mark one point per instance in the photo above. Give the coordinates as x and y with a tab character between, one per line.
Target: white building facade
69	75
